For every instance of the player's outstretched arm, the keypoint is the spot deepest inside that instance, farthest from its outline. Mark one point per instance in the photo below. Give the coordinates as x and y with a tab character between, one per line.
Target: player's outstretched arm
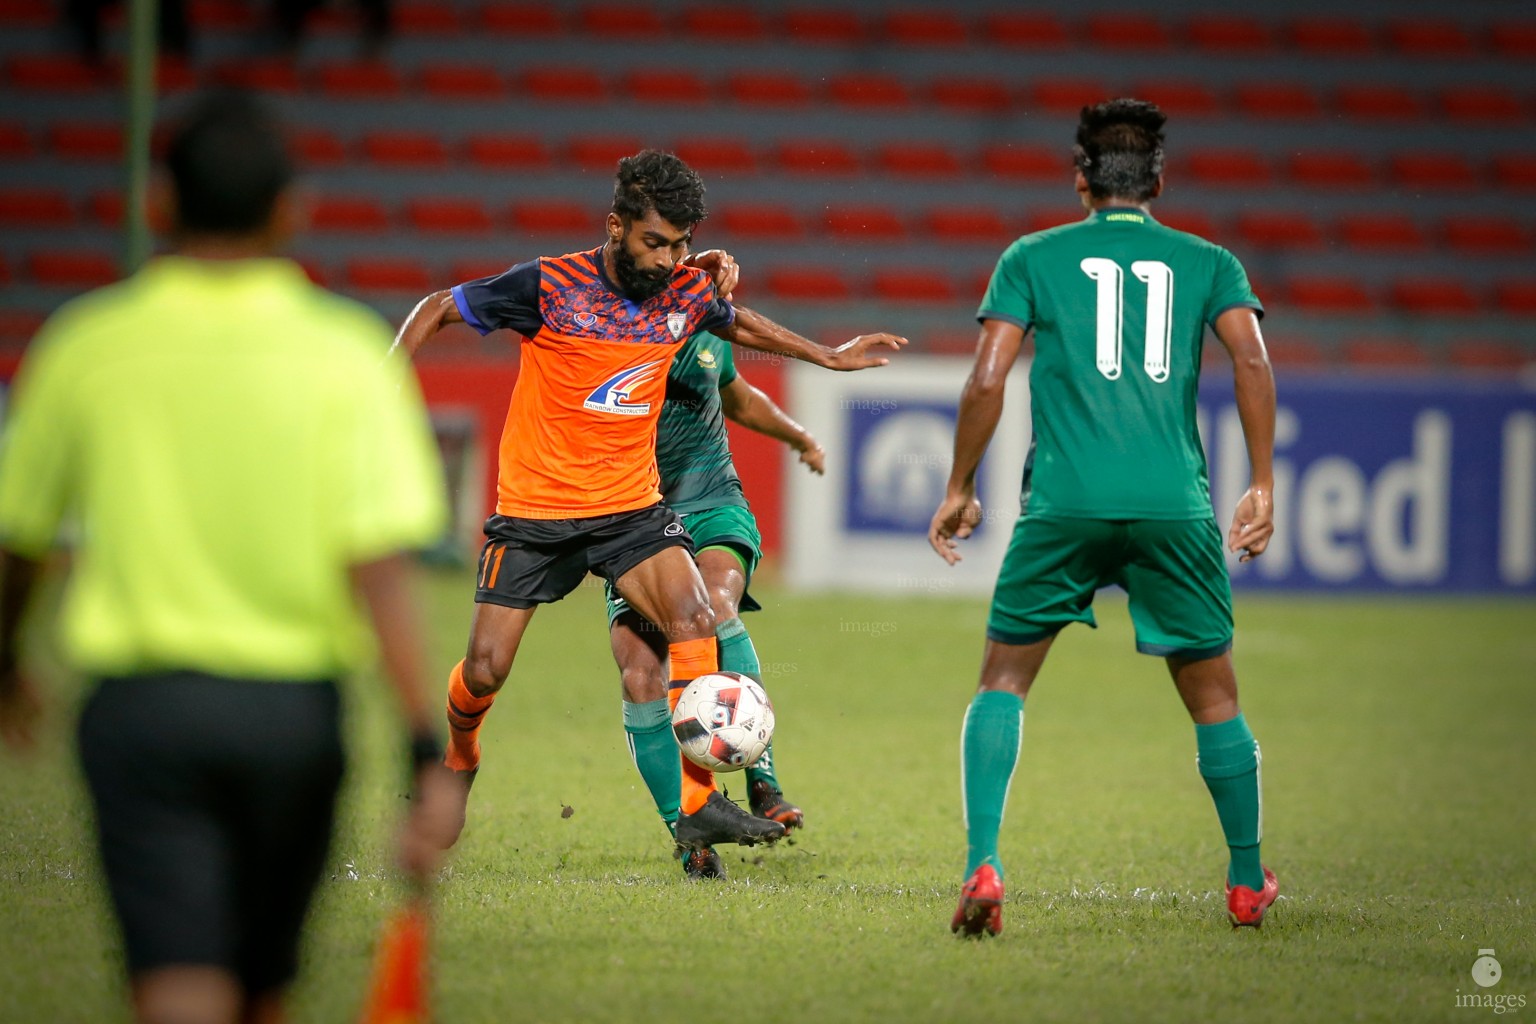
754	410
429	316
753	330
1253	522
981	405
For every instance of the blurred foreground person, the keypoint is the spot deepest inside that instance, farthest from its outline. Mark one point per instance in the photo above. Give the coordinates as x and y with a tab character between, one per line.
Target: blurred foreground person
243	471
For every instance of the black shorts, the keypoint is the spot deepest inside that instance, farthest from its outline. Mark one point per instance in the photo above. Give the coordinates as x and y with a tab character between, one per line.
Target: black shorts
527	562
214	803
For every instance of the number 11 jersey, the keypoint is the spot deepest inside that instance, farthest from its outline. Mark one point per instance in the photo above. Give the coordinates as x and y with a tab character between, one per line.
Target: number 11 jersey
1119	305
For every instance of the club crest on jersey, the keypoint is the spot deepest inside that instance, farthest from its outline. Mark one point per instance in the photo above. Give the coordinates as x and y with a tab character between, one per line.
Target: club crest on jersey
676	323
706	359
612	395
586	319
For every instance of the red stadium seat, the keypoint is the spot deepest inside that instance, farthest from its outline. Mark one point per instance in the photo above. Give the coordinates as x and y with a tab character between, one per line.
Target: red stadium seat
1332	294
1381	231
717	155
1487	235
1515	170
736	23
359	80
602	153
1429	37
1195	222
1230	33
1481	103
1179	98
1386	354
1275	99
669	86
316	147
1127	31
1515	39
376	274
474	270
819	156
35	208
522	19
926	284
71	268
950	343
405	149
1477	354
1432	171
348	213
53	73
864	223
1067	95
556	216
817	25
18	14
1025	30
1433	296
1295	354
766	221
1240	167
1331	170
768	88
917	159
980	224
15	141
1516	297
1378	102
1275	230
563	84
106	208
441	215
17	326
1042	220
508	152
461	82
931	26
223	15
426	19
1026	163
971	94
86	141
625	20
868	90
270	75
805	282
1331	36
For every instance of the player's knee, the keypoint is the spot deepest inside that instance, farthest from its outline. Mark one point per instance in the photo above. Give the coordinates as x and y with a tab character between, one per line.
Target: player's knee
694	622
722	602
484	673
643	683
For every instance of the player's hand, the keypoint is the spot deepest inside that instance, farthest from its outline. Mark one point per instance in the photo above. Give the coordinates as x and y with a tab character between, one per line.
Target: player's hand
430	825
20	709
814	456
861	352
720	266
956	519
1253	524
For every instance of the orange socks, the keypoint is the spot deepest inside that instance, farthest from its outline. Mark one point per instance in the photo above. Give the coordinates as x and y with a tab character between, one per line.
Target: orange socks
465	712
690	659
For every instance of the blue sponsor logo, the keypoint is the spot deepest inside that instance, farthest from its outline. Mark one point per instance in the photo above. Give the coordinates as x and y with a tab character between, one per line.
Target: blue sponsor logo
901	451
612	395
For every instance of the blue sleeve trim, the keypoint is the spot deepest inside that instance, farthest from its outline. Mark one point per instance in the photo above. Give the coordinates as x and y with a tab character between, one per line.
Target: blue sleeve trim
987	314
464	311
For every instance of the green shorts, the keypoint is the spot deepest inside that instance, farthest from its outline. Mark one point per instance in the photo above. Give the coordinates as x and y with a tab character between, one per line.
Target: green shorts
1173	569
726	526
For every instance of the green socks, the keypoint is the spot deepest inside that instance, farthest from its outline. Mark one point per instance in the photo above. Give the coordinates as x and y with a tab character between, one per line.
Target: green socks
1229	764
648	730
738	655
989	749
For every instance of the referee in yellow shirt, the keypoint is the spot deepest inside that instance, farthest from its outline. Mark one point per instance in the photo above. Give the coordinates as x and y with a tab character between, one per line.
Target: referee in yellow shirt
244	472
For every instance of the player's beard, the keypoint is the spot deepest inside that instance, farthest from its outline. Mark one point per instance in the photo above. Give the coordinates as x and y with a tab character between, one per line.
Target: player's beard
636	284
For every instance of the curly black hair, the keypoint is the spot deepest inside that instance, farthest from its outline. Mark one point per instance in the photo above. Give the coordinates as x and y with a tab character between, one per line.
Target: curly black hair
1120	148
653	180
228	162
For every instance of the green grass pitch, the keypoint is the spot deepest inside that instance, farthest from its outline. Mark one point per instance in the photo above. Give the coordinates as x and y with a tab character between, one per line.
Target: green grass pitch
1398	771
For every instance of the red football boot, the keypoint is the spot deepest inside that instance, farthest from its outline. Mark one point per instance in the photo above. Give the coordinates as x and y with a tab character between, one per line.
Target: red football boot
1247	907
981	905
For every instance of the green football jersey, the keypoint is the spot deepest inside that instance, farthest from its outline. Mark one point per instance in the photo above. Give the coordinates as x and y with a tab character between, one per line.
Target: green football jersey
693	452
1119	305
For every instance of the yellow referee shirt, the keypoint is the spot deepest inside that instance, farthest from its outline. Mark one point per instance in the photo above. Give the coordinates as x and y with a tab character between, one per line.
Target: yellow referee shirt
227	438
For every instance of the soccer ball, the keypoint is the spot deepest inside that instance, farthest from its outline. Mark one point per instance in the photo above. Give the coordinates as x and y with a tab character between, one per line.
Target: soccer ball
723	721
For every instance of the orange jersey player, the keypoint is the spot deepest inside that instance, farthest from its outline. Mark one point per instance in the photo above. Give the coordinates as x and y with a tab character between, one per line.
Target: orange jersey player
577	489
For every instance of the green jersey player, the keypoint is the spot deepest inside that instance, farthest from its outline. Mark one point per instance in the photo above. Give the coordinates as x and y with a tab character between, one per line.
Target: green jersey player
1115	487
699	482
